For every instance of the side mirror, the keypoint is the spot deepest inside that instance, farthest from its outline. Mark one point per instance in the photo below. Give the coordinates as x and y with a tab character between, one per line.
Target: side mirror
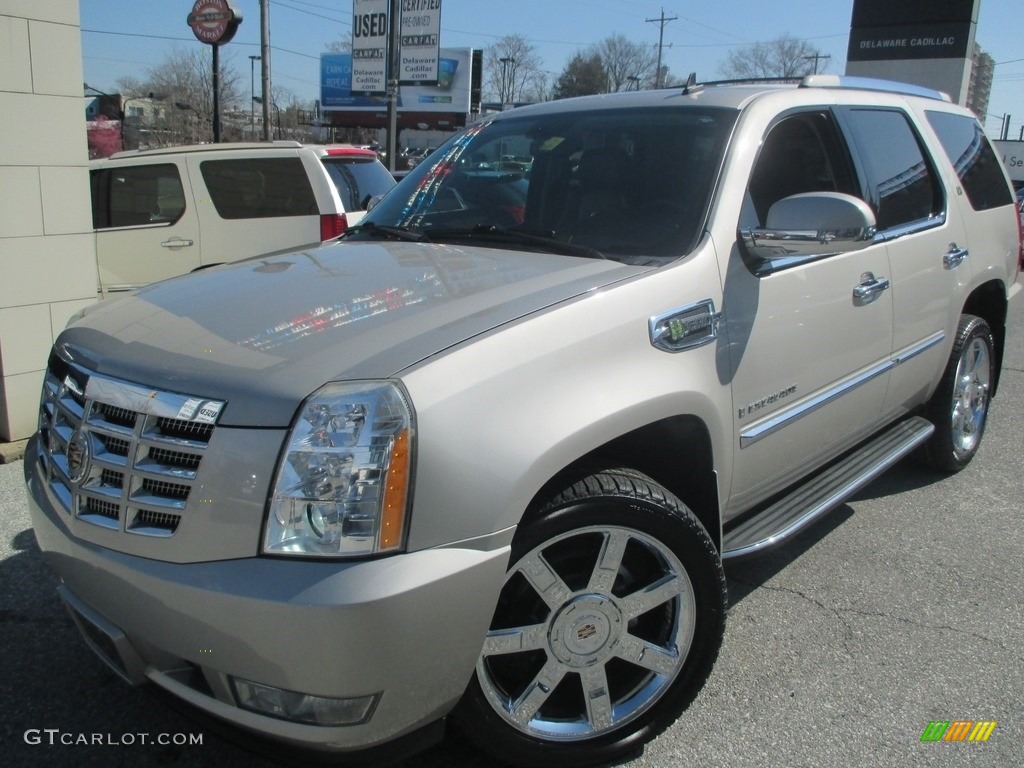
807	227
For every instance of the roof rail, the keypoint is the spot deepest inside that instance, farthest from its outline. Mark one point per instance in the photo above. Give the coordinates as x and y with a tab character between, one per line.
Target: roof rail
872	84
693	85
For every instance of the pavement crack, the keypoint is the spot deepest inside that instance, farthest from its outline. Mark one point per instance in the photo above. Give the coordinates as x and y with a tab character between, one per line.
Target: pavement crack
925	625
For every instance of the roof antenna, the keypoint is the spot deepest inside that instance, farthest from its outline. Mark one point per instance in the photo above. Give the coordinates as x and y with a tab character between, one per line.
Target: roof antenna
691	81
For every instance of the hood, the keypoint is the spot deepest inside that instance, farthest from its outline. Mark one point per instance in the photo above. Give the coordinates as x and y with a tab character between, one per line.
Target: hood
264	333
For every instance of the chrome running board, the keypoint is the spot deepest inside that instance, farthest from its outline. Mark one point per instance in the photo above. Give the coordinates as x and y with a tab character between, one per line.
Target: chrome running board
825	491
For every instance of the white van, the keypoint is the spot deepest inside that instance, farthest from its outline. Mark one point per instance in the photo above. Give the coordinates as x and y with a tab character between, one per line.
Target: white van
164	212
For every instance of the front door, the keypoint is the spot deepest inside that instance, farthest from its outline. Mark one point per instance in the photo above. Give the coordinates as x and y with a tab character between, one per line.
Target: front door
809	357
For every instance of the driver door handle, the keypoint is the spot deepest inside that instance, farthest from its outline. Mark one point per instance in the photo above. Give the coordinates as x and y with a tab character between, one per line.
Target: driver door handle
869	289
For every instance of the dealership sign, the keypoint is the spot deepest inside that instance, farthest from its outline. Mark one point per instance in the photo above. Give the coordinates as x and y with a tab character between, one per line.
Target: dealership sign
882	30
418	41
214	21
369	46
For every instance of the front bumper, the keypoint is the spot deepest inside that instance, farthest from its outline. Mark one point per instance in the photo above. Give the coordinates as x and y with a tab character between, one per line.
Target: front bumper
405	629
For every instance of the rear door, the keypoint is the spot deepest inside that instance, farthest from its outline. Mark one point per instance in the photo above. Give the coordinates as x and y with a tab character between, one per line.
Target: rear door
923	231
146	224
253	205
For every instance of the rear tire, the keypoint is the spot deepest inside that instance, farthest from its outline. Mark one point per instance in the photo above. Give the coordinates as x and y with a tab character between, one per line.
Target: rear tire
607	626
959	407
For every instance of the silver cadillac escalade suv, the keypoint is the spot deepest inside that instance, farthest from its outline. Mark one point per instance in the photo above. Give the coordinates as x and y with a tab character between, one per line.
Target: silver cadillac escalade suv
482	459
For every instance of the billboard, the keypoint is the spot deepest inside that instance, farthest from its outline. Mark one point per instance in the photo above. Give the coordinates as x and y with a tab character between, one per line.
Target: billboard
450	94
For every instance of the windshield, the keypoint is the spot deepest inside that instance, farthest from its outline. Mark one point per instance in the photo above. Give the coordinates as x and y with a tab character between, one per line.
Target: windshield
626	184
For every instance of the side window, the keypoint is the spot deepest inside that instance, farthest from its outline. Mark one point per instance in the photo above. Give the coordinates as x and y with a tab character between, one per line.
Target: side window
906	188
980	171
131	196
259	188
801	153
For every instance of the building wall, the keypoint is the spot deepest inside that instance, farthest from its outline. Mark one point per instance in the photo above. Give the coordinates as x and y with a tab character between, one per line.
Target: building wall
47	250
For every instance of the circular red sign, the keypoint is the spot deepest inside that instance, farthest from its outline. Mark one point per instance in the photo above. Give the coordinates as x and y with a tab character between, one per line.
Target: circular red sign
214	21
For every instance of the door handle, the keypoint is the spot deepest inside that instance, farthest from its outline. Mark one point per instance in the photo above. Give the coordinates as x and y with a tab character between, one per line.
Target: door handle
176	242
952	258
870	288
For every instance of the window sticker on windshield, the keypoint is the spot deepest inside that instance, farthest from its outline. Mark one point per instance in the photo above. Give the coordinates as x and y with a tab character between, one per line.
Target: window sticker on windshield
551	143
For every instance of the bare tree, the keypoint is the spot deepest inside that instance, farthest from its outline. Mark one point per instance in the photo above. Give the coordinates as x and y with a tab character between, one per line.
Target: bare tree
183	87
513	71
785	56
626	63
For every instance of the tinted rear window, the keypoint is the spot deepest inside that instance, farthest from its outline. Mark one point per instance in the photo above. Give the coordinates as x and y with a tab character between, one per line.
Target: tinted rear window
132	196
905	187
358	179
972	156
259	188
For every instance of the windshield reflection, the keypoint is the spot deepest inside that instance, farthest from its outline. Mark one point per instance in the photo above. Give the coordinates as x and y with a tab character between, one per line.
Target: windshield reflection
633	185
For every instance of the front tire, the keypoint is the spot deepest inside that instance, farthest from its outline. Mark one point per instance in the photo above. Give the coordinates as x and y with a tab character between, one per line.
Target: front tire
959	407
609	622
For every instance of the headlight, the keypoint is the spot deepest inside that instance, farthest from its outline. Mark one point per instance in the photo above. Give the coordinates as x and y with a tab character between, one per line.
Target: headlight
343	485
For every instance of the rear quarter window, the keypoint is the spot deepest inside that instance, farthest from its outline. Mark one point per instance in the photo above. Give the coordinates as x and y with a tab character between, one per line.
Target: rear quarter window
259	188
358	180
973	158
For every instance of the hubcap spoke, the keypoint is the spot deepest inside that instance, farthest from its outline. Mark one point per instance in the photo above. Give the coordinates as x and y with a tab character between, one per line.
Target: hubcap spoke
537	692
542	577
502	641
658	593
608	562
598	700
661	661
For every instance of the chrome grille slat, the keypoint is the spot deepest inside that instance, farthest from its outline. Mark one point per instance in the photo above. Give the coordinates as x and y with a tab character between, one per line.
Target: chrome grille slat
142	449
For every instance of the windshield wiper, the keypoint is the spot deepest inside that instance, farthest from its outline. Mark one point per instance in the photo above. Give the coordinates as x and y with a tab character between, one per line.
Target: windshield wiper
541	239
387	233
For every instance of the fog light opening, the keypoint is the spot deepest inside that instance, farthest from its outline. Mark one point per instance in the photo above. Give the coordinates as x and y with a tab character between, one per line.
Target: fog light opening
303	707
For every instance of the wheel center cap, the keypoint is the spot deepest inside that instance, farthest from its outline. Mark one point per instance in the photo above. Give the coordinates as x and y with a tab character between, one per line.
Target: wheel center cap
586	630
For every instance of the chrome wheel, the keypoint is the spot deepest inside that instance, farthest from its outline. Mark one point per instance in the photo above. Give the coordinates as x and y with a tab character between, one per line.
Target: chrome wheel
970	397
959	407
592	627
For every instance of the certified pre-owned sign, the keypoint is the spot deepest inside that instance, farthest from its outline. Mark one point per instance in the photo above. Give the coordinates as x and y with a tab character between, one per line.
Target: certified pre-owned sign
214	21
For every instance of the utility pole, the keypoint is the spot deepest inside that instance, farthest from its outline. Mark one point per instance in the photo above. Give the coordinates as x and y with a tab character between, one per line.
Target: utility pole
265	65
816	57
392	76
661	21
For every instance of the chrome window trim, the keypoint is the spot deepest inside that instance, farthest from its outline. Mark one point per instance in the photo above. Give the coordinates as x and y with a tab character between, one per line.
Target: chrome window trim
787	416
911	228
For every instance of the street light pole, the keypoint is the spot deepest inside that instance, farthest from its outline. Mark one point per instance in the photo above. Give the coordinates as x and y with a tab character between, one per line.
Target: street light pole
252	95
505	85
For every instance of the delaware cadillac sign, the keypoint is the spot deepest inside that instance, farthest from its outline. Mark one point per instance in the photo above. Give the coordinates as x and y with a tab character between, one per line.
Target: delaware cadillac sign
214	21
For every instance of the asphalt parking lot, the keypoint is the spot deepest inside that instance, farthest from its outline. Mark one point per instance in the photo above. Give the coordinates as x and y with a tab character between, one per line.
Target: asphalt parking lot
903	607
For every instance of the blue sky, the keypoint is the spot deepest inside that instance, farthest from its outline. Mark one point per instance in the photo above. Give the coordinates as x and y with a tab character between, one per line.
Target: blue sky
127	37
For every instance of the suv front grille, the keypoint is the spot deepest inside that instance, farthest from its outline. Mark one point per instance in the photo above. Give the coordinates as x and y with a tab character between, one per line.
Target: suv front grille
118	455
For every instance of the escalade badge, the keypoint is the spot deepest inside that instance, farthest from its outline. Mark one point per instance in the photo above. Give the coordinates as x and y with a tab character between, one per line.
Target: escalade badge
79	456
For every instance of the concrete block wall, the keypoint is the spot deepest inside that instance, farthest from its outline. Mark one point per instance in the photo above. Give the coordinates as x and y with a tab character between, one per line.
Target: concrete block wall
47	250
